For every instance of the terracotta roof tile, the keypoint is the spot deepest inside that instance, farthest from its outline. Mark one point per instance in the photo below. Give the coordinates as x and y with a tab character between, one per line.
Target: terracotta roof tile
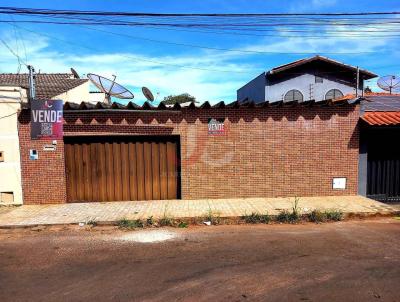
381	118
48	85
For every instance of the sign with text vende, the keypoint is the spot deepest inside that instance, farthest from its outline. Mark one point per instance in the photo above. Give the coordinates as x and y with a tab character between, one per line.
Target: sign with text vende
46	119
216	126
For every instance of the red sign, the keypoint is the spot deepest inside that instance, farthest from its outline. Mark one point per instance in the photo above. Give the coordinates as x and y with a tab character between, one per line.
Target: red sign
216	126
46	119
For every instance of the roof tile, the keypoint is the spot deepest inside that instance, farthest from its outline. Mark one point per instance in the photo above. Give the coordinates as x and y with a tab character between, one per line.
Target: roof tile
48	85
381	118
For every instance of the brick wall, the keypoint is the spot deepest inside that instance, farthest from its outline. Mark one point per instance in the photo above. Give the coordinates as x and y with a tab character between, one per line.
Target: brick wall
43	180
265	152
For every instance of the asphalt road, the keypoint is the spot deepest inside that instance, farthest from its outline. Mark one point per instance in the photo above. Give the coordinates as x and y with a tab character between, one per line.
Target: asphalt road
346	261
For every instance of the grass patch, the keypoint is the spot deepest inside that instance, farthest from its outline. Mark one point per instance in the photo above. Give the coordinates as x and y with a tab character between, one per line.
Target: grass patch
166	220
212	216
150	221
256	218
92	223
130	224
334	215
319	216
292	216
182	225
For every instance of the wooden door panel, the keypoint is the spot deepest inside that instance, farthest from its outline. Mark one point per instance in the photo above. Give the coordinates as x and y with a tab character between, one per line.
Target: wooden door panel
108	169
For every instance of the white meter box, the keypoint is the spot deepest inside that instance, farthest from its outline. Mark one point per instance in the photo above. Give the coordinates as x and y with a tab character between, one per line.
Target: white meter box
339	183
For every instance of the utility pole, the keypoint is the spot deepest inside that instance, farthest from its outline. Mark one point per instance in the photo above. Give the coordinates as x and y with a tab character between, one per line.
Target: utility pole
358	80
32	82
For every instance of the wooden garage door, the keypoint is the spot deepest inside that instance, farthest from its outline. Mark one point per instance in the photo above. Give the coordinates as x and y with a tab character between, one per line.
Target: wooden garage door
121	168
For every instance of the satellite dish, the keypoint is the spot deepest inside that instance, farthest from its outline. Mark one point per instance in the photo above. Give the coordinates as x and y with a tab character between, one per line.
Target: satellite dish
147	93
110	88
389	83
75	74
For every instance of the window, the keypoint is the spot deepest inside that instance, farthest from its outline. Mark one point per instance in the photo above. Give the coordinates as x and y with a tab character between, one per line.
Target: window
333	94
318	79
293	96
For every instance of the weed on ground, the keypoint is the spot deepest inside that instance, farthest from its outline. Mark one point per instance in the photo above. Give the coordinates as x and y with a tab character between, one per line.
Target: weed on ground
256	218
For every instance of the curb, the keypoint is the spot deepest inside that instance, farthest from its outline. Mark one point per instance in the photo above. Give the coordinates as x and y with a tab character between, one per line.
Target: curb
225	220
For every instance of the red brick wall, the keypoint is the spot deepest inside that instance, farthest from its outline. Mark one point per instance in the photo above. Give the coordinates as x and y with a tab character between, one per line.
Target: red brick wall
266	152
43	180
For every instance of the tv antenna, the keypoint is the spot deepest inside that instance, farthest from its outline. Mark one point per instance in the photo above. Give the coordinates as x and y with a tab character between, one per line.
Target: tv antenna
75	74
389	83
110	88
148	94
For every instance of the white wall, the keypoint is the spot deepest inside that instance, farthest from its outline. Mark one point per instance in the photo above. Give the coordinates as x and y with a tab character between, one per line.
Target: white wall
302	83
10	169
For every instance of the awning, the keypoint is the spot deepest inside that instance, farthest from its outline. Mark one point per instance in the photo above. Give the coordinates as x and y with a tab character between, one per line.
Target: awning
382	118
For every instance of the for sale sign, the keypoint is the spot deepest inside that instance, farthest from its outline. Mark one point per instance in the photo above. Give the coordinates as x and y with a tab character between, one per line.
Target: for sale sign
46	119
216	126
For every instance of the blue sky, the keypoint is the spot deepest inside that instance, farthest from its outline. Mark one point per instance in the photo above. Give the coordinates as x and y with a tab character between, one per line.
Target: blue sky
56	48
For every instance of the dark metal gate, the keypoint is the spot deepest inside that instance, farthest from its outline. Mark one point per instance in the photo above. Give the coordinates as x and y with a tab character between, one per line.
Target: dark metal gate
383	177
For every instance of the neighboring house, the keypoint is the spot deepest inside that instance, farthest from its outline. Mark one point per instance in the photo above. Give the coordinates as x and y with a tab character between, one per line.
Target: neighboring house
379	163
13	96
10	167
312	79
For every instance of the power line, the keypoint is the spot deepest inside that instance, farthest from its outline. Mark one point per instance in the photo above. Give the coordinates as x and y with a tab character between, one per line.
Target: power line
13	52
209	47
38	11
132	57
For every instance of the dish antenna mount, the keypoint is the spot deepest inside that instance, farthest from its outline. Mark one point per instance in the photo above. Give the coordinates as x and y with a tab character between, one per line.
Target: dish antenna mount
389	83
110	88
148	94
74	73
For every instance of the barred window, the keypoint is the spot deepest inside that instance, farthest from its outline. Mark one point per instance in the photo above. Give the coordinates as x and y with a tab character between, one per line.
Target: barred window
293	96
333	94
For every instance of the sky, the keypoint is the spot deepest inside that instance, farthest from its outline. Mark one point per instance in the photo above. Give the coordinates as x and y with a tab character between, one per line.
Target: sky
209	75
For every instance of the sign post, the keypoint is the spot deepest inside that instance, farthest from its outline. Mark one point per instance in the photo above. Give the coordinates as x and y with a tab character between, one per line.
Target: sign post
46	119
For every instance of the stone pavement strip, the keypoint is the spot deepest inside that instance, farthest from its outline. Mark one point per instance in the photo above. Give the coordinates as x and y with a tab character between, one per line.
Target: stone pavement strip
108	212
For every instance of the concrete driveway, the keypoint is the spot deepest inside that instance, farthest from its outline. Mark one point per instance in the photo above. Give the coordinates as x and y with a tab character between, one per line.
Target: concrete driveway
344	261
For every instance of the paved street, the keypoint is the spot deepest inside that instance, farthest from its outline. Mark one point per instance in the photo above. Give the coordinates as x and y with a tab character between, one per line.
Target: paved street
357	260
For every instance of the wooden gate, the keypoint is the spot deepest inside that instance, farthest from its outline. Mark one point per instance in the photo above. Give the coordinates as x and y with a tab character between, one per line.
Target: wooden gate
121	168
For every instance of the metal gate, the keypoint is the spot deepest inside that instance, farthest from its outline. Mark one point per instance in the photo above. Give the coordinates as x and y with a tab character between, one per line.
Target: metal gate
383	174
121	168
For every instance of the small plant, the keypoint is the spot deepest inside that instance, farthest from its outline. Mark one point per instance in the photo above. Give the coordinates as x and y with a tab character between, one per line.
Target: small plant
294	216
92	223
150	221
283	216
317	216
166	220
334	215
130	224
256	218
212	217
182	225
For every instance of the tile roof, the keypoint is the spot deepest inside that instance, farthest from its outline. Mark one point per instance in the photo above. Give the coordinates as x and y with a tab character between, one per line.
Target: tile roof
381	118
381	102
367	74
206	105
48	85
